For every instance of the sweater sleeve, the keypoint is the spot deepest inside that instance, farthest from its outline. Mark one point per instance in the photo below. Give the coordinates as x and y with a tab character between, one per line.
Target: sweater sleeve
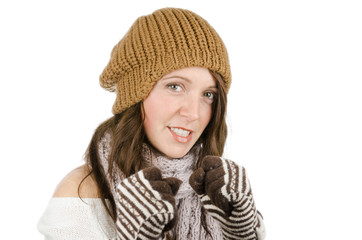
76	219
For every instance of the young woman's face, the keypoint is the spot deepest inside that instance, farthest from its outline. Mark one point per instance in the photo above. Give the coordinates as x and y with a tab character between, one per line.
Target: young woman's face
178	109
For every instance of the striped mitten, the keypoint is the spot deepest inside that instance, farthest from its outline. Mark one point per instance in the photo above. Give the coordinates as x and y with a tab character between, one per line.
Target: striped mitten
226	195
146	205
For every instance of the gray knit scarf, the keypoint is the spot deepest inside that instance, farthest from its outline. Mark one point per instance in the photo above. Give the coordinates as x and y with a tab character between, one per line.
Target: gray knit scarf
187	202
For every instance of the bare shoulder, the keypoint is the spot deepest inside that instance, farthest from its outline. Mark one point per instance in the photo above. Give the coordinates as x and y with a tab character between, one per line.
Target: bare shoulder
68	187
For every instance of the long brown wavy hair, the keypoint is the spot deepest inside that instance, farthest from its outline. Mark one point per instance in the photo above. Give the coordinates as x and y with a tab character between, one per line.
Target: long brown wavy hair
128	135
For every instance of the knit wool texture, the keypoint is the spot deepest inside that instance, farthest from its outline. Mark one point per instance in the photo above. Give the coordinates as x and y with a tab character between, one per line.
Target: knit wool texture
188	204
156	44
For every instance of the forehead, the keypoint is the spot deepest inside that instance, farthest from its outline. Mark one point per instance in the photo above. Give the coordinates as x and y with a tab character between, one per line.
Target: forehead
192	75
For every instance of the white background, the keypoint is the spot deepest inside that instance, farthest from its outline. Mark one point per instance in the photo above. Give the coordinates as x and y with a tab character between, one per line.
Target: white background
295	105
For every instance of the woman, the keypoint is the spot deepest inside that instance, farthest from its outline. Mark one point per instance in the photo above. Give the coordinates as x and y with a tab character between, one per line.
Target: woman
154	170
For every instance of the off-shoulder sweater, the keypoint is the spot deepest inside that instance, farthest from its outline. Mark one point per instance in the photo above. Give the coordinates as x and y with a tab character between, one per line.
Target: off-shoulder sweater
69	218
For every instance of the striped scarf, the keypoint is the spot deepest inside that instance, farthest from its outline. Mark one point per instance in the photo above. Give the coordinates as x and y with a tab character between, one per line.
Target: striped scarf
187	202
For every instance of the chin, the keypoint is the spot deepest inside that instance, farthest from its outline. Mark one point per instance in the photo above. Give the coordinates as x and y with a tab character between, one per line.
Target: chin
176	152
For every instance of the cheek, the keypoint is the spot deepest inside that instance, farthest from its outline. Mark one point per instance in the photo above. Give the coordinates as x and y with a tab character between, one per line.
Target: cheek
206	116
155	110
147	125
150	112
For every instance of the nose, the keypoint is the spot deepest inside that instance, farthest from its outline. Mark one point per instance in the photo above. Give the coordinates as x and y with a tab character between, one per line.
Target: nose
190	108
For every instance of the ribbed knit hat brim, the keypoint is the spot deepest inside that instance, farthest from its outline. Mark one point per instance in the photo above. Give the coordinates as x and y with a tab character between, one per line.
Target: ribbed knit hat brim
156	44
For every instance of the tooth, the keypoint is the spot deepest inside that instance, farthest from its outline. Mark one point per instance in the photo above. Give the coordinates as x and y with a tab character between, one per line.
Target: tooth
180	132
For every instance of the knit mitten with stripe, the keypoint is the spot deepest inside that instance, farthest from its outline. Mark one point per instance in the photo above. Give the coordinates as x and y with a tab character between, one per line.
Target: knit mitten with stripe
146	205
226	195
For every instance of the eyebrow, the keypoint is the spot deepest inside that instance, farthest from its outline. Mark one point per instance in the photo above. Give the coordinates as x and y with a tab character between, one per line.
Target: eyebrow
187	80
176	76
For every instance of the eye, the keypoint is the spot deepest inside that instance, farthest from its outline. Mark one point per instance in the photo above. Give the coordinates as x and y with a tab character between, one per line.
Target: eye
210	95
174	87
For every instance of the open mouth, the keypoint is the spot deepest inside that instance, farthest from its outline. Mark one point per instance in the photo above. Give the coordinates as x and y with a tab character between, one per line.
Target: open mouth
181	132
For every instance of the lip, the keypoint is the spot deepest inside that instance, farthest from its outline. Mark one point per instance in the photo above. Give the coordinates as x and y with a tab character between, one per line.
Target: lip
180	138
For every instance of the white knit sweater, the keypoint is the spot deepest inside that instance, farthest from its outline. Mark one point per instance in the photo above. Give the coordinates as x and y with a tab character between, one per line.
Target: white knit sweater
73	219
86	219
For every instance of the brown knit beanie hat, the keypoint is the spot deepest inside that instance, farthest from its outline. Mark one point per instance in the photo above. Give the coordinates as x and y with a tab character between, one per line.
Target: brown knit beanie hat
156	44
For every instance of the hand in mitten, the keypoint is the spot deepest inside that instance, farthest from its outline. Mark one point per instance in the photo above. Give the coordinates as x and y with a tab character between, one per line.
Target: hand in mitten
146	205
226	195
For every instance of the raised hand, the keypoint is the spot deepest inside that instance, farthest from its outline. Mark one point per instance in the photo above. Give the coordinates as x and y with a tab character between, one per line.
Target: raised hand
146	205
226	194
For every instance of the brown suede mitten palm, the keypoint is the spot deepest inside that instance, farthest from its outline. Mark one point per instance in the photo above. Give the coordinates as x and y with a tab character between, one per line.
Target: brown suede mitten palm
146	205
226	195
